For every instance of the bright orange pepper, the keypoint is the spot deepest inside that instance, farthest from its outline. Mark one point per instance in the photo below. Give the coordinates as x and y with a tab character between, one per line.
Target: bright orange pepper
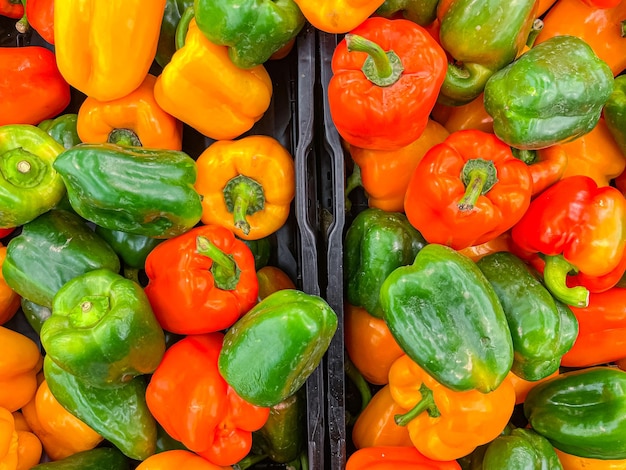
20	361
469	116
396	458
337	16
500	243
573	462
29	448
8	441
9	299
272	279
522	387
134	119
178	459
544	5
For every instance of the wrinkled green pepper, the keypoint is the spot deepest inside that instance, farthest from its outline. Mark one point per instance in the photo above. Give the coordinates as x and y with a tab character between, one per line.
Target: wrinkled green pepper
29	185
582	412
172	14
447	318
376	243
270	352
35	314
615	112
542	333
62	129
101	458
131	248
422	12
521	449
52	249
142	191
552	94
252	29
102	330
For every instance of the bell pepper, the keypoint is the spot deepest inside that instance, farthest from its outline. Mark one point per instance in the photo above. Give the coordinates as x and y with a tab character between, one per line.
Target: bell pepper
11	8
32	87
120	415
174	10
614	112
261	249
21	361
29	448
186	89
292	332
600	28
467	190
529	109
178	459
132	189
60	432
201	281
389	458
471	115
112	70
574	462
483	38
62	129
337	16
252	30
547	165
132	249
272	279
522	386
50	251
446	316
421	12
542	328
500	243
577	227
196	406
580	412
35	314
29	185
386	77
9	299
520	450
444	424
134	119
603	3
19	449
385	175
246	185
108	458
40	16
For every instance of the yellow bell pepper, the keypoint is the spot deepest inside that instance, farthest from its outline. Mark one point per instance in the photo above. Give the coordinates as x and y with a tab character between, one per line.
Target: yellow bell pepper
573	462
20	361
337	16
105	49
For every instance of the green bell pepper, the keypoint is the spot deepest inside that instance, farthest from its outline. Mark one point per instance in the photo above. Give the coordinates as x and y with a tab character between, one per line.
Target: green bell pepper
521	449
131	248
35	314
376	243
481	37
101	458
120	414
142	191
447	318
261	248
166	46
552	94
29	185
62	129
270	352
582	412
52	249
253	30
615	112
541	332
422	12
102	330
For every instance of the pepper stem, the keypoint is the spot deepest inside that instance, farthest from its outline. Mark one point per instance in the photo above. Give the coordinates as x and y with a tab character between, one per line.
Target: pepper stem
126	137
248	461
224	269
243	196
359	381
555	276
527	156
381	68
478	176
183	26
427	403
534	32
22	25
354	181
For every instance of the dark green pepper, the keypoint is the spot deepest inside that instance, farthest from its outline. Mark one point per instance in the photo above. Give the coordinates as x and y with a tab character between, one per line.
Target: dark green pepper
29	185
261	249
447	318
552	94
100	458
52	249
270	352
253	30
615	112
35	314
422	12
541	332
522	449
376	243
142	191
62	129
166	47
132	249
582	412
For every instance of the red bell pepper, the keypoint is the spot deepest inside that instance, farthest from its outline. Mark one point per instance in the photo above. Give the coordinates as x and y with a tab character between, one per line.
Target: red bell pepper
11	8
40	15
386	78
201	281
396	458
602	3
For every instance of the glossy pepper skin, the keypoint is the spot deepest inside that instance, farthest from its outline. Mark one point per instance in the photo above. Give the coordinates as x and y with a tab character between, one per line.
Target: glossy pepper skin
9	299
467	190
40	15
132	249
62	129
201	281
19	448
178	459
11	8
530	111
547	165
255	32
574	462
337	16
399	458
520	450
186	89
418	11
29	185
112	70
136	190
292	331
196	406
483	37
376	243
50	251
386	77
105	458
542	329
581	412
615	113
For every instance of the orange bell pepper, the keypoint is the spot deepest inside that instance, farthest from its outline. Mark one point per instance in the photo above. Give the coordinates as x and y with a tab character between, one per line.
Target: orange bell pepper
246	185
370	345
385	174
60	432
548	166
522	387
544	5
337	16
29	447
204	89
469	116
106	70
600	28
9	299
500	243
272	279
396	458
20	361
574	462
8	441
178	459
444	424
135	119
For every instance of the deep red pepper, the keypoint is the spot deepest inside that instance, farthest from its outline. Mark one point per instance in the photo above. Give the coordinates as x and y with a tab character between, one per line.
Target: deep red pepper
11	8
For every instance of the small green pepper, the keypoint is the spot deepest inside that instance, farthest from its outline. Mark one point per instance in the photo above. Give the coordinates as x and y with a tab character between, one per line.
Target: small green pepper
522	449
615	112
132	249
35	314
62	129
422	12
100	458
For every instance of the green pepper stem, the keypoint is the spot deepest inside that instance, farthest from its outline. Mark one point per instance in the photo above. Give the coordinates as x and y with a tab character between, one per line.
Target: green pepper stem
555	276
224	269
126	137
183	26
243	196
463	83
22	25
249	461
359	381
479	176
381	68
427	403
527	156
354	181
534	32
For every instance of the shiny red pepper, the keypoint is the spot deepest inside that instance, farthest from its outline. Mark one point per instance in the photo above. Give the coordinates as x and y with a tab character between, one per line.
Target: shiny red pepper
396	458
40	14
11	8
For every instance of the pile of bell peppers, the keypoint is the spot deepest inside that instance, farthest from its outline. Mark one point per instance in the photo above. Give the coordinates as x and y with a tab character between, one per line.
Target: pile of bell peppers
484	253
